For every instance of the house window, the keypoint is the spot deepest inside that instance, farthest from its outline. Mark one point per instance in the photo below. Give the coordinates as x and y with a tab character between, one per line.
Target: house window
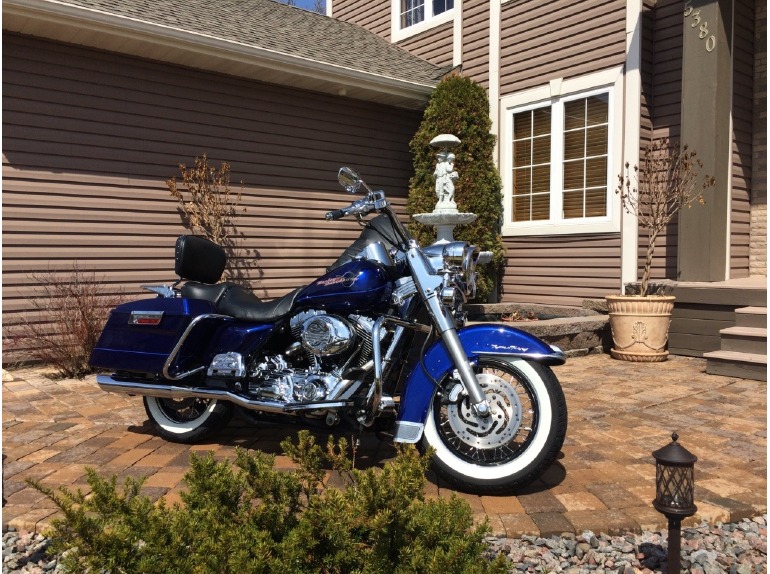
413	12
414	16
557	163
416	11
585	157
532	165
440	6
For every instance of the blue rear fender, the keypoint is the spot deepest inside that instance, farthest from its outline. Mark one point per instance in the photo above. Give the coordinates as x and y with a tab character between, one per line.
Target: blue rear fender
488	340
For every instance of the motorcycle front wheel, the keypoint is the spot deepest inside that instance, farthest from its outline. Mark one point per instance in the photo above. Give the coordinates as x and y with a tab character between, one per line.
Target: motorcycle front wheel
514	445
187	420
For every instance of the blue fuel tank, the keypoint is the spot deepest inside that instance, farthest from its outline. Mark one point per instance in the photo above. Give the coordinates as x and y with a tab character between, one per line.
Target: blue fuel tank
355	287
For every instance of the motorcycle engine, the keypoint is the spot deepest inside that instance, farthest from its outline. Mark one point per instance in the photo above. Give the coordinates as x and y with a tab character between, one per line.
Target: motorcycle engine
329	345
311	369
326	335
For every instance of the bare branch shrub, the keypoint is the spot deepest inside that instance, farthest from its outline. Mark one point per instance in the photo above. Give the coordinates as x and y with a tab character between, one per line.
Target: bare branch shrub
207	205
210	208
66	322
666	181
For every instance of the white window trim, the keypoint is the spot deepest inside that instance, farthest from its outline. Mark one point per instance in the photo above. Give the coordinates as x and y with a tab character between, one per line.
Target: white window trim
397	33
560	90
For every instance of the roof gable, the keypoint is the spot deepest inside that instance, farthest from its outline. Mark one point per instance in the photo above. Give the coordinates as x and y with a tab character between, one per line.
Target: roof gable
260	39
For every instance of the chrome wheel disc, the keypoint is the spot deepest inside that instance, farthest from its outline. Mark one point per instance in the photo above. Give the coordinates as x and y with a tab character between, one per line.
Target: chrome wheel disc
495	439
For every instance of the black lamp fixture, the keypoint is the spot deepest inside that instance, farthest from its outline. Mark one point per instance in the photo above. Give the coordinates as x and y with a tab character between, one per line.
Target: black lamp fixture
674	493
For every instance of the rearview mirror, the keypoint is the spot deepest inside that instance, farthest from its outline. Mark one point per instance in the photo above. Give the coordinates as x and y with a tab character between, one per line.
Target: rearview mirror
349	179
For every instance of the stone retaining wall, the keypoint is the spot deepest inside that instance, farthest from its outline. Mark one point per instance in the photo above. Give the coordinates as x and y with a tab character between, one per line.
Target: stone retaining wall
576	331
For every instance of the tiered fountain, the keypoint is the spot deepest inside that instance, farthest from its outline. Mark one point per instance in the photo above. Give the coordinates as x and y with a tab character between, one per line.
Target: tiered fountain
445	216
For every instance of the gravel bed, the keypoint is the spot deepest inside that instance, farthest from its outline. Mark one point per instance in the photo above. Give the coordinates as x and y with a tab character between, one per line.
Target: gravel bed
739	548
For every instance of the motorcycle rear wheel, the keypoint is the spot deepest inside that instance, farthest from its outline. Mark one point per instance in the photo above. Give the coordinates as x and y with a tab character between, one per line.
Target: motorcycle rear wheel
188	420
511	448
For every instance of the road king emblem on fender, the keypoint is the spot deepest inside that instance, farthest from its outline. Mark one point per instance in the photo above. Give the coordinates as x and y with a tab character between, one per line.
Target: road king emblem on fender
509	348
150	318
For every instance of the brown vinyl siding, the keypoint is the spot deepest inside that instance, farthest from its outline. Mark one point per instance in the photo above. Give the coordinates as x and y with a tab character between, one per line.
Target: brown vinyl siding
666	102
540	41
89	139
661	110
561	270
476	41
667	68
434	45
648	79
374	16
743	118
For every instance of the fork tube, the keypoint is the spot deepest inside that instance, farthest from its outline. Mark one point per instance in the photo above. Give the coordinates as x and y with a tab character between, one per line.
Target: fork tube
430	285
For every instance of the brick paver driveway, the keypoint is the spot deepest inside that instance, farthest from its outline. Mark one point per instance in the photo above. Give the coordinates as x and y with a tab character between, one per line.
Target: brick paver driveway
604	481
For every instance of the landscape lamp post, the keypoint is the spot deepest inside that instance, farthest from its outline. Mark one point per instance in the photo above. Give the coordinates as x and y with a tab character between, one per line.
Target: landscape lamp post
674	493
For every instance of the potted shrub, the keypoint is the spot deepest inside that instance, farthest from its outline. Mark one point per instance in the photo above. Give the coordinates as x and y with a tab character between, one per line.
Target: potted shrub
665	182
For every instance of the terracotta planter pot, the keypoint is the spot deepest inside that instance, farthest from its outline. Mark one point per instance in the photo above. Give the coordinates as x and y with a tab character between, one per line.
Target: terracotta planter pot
640	326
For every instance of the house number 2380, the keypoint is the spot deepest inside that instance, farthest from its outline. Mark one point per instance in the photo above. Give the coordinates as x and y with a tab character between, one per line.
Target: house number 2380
700	25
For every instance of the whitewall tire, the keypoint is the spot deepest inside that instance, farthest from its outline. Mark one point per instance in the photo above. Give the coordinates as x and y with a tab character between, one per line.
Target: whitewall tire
187	420
514	445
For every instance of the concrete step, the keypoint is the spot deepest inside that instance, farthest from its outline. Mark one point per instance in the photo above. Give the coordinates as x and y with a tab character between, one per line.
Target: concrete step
734	364
744	340
751	317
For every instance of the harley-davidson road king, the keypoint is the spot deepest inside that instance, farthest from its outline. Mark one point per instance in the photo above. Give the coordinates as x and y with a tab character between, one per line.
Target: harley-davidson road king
343	351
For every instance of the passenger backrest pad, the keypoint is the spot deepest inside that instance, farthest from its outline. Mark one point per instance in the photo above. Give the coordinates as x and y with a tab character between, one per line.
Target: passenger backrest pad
199	259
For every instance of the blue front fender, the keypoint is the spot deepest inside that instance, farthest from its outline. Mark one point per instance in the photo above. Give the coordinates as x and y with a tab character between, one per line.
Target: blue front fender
486	339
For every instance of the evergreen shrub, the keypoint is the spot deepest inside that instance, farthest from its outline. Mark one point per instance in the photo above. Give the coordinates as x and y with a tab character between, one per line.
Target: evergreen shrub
248	517
460	106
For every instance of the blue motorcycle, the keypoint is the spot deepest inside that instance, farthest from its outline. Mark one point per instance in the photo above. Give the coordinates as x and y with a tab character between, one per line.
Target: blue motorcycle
378	343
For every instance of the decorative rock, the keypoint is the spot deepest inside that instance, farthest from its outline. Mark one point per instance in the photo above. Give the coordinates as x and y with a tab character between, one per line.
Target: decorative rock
705	550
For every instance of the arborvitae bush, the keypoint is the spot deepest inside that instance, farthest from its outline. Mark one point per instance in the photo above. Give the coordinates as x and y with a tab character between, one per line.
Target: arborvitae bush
460	106
247	517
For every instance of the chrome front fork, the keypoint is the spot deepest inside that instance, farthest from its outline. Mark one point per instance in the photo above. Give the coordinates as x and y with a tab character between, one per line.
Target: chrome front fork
429	284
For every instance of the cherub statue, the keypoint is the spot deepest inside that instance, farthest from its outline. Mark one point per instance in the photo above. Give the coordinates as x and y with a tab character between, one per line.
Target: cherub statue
445	176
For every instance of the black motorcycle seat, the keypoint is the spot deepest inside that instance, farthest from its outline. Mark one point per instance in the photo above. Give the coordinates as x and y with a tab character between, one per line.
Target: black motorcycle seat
213	293
243	304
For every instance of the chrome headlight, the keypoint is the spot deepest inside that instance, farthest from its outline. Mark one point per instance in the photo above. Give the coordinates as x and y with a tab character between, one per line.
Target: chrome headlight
449	257
458	259
455	253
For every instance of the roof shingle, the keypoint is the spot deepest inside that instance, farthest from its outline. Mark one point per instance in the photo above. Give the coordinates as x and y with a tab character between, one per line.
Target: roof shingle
269	25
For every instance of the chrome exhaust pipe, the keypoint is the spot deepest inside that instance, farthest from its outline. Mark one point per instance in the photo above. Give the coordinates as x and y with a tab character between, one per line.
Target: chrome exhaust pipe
109	384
